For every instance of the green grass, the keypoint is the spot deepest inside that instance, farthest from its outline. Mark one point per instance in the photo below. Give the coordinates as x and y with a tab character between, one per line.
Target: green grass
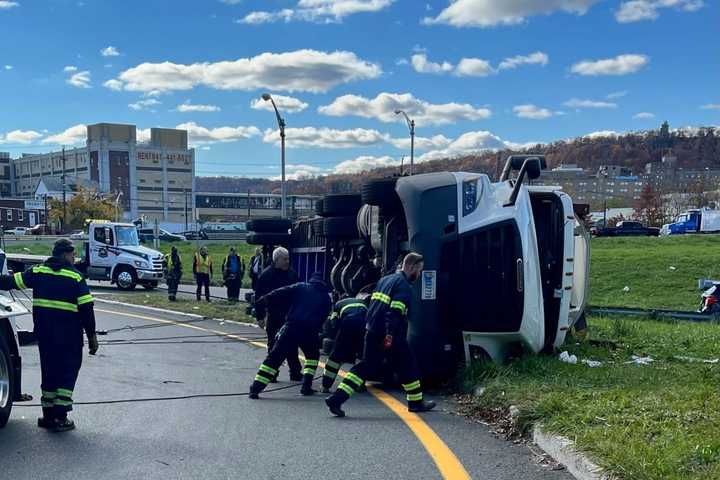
217	249
644	264
186	304
658	421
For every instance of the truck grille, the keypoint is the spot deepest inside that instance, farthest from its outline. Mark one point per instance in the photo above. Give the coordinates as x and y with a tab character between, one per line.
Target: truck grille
157	264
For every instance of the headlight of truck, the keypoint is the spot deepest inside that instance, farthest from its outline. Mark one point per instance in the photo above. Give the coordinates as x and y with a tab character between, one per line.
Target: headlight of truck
140	264
470	196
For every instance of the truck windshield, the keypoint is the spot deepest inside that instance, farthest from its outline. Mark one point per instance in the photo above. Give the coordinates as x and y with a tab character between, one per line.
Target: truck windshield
127	236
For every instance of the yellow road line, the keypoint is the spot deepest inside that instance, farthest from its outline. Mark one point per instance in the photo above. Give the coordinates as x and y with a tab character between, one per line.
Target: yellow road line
447	463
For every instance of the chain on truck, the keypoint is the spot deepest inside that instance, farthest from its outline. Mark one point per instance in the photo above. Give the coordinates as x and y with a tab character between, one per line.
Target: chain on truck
506	263
111	252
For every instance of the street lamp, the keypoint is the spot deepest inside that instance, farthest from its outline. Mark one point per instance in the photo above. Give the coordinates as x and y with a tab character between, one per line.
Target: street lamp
281	125
411	126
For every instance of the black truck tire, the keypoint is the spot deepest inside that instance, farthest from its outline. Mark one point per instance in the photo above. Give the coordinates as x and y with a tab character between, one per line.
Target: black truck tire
7	381
268	239
381	193
269	225
341	204
341	227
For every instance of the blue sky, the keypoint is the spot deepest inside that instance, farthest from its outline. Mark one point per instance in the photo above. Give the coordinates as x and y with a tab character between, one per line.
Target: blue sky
475	74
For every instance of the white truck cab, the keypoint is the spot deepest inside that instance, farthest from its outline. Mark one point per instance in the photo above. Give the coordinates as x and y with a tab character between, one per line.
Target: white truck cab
113	253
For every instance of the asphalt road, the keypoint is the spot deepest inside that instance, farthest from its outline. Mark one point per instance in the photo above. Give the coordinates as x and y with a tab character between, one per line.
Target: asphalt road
281	436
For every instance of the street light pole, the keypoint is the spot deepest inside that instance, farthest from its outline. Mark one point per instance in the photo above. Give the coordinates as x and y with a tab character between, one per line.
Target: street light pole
281	125
411	126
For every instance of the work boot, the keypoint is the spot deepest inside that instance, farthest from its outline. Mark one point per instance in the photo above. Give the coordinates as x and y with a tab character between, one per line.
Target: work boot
62	425
307	386
296	377
421	406
46	421
334	404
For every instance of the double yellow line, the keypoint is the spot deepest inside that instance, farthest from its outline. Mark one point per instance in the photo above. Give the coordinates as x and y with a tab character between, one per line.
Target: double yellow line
447	463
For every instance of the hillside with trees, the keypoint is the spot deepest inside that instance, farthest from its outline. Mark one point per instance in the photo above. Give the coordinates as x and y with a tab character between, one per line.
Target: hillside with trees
693	147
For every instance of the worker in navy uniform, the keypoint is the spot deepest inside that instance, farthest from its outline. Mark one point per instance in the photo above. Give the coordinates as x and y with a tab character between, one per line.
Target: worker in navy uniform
173	273
62	310
349	313
309	306
277	275
387	336
233	269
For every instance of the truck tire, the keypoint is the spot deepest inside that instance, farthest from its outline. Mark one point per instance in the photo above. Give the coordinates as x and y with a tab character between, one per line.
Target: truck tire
269	225
269	239
381	193
7	382
341	227
317	226
342	204
126	278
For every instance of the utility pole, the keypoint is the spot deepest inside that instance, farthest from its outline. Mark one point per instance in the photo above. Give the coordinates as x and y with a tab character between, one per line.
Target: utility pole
64	190
281	126
47	220
411	127
248	202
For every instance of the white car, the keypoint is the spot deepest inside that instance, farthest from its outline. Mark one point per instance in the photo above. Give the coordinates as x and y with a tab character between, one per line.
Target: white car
78	235
16	231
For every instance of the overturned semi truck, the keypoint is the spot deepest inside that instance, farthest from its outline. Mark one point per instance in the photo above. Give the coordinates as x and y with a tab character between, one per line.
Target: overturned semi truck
506	263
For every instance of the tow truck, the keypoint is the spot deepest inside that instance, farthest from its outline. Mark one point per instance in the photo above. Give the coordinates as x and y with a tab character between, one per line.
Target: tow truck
112	252
506	263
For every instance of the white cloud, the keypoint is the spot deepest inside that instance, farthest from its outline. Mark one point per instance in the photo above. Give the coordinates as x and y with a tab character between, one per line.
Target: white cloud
711	106
321	11
110	51
614	95
643	116
8	67
21	137
198	135
72	136
301	70
533	112
640	10
364	164
466	144
620	65
6	4
474	67
421	64
191	107
578	103
80	79
422	143
603	134
312	137
537	58
383	108
489	13
142	135
144	104
284	104
232	2
70	68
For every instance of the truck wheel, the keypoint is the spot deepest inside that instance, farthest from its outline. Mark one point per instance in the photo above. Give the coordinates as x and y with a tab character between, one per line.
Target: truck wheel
269	225
268	239
7	380
381	193
126	278
341	227
317	226
338	205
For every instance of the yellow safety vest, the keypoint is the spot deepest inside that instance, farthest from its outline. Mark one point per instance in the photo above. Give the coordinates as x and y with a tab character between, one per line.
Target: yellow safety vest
203	264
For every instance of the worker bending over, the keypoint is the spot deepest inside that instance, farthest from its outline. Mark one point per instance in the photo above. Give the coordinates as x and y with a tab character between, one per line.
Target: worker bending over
387	334
350	317
309	308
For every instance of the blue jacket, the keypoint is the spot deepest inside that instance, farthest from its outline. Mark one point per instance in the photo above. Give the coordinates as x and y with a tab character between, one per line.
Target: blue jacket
350	313
389	305
308	302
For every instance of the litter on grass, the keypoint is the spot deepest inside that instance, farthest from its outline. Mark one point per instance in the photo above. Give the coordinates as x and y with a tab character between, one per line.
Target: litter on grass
638	360
711	361
567	358
591	363
626	289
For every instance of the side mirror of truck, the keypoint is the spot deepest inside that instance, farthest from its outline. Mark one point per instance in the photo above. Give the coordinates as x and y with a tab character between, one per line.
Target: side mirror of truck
516	162
534	168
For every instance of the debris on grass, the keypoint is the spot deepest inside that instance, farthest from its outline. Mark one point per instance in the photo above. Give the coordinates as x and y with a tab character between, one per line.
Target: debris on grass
591	363
639	360
626	289
711	361
567	358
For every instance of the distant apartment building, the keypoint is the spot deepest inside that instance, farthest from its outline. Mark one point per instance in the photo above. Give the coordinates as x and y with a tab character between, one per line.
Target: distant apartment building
233	207
154	180
665	176
5	178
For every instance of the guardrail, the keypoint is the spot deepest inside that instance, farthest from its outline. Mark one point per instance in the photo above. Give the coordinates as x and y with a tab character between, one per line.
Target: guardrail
654	313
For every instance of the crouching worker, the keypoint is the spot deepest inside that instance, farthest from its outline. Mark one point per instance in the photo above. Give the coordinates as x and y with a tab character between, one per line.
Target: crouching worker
387	335
350	315
62	310
309	307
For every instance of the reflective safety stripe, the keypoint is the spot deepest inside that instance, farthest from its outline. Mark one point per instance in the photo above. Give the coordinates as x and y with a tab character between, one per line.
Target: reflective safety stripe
63	403
63	272
330	374
311	363
346	388
84	299
47	394
62	392
19	281
309	371
414	397
331	364
412	386
355	379
352	305
58	305
267	369
261	379
381	297
399	305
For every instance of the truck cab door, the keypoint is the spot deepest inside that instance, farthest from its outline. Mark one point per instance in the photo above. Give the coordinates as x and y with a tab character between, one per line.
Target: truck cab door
102	241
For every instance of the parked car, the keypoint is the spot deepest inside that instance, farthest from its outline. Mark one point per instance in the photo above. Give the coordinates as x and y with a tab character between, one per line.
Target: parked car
39	229
627	229
147	235
16	231
78	235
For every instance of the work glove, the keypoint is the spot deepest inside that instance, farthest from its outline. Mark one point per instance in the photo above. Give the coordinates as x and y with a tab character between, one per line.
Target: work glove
93	344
